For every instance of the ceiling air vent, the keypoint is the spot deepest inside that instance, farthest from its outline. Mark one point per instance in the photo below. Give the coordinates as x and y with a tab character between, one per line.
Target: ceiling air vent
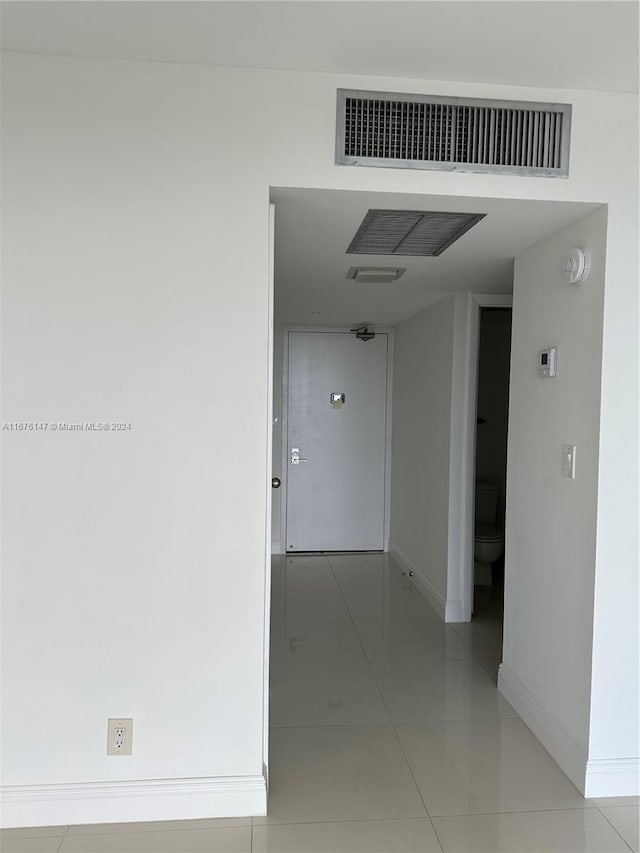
375	275
410	232
452	134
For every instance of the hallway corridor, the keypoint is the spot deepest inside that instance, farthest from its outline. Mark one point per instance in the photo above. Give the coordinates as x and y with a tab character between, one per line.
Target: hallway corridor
388	734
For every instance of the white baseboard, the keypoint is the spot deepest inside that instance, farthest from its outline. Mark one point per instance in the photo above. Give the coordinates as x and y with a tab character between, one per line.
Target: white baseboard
616	777
428	590
453	611
120	802
560	746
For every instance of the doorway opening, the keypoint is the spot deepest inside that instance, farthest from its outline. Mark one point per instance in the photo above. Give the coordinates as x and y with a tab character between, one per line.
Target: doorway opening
431	311
315	290
434	310
484	633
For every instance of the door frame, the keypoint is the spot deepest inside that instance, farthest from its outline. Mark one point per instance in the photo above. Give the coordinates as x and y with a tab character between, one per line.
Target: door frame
269	498
468	413
284	467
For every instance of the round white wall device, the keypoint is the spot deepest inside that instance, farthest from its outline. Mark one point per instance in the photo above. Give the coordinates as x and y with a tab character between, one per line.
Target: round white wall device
576	266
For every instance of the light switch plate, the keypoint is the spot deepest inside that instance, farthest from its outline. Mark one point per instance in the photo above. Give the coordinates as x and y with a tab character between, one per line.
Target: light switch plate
569	461
548	362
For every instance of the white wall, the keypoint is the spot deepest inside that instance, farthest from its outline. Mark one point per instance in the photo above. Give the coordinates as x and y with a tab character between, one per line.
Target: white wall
135	275
133	562
421	439
551	520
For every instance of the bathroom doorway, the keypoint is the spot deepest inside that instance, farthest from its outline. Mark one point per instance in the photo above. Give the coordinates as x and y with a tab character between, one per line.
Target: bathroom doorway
484	632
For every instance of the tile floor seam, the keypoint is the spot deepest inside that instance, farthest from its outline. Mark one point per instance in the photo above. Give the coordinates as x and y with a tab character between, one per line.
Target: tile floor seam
351	820
59	847
514	811
415	782
320	821
614	827
475	718
158	828
364	651
474	658
467	647
395	731
27	837
422	722
435	831
461	638
488	671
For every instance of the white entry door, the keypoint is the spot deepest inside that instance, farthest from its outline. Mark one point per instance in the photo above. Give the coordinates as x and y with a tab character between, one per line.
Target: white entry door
336	431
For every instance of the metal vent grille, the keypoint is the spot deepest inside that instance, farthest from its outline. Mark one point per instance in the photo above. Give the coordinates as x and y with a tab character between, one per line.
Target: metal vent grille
410	232
452	134
375	275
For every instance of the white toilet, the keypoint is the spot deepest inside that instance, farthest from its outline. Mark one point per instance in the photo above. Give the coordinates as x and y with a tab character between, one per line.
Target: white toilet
489	536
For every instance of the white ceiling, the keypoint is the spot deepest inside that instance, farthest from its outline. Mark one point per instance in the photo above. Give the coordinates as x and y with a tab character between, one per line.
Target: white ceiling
314	228
581	44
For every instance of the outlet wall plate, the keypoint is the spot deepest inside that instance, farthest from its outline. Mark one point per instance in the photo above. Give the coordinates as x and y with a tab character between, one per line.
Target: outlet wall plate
120	736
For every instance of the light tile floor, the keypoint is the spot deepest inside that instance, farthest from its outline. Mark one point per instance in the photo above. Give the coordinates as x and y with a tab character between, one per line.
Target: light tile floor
388	736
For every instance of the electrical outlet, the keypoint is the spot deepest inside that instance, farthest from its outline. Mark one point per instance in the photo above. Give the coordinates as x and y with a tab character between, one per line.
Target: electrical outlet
119	736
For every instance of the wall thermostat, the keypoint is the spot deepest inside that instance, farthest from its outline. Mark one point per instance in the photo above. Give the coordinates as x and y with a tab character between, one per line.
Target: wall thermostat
576	266
548	362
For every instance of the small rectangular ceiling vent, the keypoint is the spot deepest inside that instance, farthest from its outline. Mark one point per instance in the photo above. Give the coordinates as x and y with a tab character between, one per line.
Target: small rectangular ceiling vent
410	232
452	134
375	275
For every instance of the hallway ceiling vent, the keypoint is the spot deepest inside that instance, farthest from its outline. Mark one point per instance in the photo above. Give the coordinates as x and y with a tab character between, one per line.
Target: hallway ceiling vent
452	134
375	275
410	232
